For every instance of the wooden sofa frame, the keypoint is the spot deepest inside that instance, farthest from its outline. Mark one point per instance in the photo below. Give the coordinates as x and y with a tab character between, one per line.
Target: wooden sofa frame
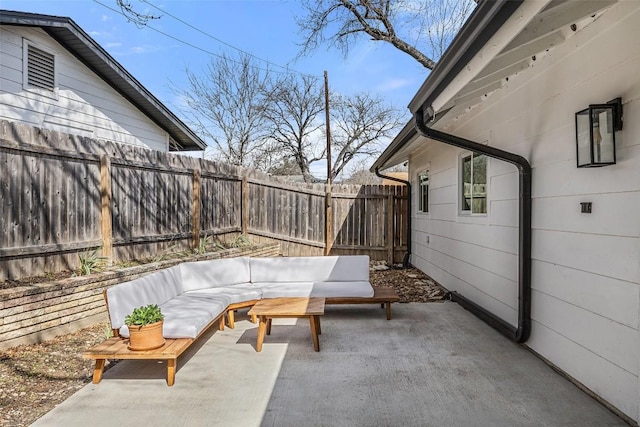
116	347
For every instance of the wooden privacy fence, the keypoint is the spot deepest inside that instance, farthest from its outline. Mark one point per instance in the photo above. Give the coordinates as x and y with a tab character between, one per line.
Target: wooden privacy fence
62	195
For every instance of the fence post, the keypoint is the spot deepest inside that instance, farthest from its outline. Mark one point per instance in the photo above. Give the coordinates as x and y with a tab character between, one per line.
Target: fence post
328	221
196	208
105	208
391	237
244	207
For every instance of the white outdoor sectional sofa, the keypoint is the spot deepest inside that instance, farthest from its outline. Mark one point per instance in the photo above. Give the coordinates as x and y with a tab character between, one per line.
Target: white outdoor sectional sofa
195	295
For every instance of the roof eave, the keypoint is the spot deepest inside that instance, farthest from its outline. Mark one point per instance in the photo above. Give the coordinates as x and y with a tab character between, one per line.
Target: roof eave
90	53
483	23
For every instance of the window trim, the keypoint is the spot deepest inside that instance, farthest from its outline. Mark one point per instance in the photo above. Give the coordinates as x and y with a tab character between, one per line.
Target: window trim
460	196
426	171
26	43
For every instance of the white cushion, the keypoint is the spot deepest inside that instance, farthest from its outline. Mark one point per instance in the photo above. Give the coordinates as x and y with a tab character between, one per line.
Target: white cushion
310	269
236	293
214	273
342	289
155	288
285	289
186	316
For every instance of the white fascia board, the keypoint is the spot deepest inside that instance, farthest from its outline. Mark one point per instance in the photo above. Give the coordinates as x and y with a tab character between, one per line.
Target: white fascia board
500	40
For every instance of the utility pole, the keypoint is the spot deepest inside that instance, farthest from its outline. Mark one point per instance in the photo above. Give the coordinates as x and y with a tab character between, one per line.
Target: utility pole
328	220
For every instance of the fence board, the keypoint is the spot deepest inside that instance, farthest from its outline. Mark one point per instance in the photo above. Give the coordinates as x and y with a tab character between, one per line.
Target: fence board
50	205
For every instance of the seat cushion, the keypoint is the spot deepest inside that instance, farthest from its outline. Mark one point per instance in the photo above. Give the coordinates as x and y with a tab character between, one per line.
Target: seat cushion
185	316
214	273
285	289
342	289
310	269
155	288
235	294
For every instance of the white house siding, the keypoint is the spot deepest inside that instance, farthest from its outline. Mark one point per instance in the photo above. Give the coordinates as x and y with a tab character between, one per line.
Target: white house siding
586	267
85	105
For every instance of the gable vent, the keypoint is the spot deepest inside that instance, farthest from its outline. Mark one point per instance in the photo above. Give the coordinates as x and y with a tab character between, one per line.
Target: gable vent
40	69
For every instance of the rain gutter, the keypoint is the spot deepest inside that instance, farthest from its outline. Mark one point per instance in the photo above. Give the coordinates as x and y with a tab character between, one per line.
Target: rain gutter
520	333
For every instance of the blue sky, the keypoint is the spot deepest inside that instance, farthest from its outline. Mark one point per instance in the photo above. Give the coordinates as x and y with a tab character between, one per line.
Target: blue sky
264	28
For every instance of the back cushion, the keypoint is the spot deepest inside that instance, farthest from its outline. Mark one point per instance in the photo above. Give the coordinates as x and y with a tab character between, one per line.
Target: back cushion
214	273
155	288
310	269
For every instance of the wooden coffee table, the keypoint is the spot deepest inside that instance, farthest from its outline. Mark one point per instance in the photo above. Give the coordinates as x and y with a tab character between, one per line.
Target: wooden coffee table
271	308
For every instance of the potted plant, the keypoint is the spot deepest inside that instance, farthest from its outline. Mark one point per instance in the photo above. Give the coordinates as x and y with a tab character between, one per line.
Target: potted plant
145	328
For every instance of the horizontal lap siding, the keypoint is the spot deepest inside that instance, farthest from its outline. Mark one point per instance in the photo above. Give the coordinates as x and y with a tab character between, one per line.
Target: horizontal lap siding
585	267
84	103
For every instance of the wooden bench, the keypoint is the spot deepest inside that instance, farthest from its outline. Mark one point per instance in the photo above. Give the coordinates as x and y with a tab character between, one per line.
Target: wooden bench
117	348
381	295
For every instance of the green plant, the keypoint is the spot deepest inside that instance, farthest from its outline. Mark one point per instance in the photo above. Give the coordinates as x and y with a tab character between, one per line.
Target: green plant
145	315
207	244
130	263
91	262
240	241
168	252
203	245
107	332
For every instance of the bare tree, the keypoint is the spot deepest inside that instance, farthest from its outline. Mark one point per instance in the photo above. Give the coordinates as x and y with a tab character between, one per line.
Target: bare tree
226	104
359	173
420	28
360	125
140	19
285	167
293	113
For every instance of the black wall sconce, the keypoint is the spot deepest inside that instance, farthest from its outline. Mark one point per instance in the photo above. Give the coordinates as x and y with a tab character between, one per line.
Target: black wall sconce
596	129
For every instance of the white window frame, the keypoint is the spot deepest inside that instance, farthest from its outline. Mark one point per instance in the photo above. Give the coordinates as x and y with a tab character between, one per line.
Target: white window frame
25	69
461	210
421	208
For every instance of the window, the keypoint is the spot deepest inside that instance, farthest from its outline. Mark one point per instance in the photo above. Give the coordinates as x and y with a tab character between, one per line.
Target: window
473	180
39	68
423	190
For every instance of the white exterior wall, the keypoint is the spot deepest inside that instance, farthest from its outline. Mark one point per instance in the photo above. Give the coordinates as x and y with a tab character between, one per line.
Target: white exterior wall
586	267
84	104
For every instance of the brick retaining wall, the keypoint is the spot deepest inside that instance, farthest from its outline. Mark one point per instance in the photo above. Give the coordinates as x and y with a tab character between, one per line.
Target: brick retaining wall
37	312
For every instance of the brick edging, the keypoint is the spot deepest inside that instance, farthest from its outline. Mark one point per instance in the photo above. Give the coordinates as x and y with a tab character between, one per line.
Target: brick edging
30	314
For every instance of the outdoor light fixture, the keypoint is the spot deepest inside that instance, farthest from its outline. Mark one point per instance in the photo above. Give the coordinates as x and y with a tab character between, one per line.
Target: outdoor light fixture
596	129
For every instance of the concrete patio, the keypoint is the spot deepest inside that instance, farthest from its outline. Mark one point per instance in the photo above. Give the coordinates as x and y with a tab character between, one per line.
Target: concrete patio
431	365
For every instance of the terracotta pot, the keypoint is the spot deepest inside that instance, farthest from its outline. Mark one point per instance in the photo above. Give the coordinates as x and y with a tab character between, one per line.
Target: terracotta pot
147	337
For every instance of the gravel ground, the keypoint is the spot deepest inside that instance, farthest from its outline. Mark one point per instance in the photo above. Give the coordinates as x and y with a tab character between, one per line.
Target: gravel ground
36	378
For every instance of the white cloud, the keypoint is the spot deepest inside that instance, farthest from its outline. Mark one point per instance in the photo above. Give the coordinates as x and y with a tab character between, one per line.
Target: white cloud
105	18
112	45
393	84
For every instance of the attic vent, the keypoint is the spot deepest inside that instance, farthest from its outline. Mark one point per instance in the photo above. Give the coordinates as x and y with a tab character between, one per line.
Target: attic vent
40	68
